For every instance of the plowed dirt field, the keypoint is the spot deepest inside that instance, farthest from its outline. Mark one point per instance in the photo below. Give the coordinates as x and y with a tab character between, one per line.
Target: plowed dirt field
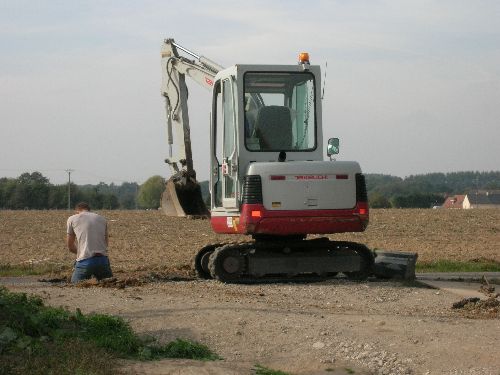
147	240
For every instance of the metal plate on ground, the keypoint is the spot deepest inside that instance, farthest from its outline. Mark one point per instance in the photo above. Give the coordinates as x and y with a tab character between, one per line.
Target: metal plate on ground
395	265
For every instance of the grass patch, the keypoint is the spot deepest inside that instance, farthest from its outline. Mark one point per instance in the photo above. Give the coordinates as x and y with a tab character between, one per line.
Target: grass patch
261	370
182	349
67	357
8	270
36	339
478	265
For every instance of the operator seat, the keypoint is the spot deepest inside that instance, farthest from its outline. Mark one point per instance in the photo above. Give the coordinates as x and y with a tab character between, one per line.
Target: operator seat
273	127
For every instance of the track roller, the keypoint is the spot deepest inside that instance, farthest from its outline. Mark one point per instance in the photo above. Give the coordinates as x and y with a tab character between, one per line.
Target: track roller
227	263
201	261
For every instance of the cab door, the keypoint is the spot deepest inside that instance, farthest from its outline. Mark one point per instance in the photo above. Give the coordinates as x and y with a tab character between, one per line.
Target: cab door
224	164
229	149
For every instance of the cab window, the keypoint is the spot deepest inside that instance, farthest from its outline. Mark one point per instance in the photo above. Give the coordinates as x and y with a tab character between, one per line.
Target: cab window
279	111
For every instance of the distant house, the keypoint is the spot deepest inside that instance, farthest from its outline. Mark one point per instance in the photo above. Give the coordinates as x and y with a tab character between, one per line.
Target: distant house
455	201
482	199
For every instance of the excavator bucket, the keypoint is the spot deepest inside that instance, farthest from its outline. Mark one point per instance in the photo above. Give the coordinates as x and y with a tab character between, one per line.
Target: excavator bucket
183	198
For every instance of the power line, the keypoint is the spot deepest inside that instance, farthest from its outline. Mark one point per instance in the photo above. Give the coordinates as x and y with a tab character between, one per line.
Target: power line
104	177
113	179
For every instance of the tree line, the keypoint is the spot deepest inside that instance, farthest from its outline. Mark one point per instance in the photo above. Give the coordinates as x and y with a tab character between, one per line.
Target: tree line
425	190
34	191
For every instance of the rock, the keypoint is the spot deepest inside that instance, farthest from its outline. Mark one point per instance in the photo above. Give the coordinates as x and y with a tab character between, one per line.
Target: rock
318	345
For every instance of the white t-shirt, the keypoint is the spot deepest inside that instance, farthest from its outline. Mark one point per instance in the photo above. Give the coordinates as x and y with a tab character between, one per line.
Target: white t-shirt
90	231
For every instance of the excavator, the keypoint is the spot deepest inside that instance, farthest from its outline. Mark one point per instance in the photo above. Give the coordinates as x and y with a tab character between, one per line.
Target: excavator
268	178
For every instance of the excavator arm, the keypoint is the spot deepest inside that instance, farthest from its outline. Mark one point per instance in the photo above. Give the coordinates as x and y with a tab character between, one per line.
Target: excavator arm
182	195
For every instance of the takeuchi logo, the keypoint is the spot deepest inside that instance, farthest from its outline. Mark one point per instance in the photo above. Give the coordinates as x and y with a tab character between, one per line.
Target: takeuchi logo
312	177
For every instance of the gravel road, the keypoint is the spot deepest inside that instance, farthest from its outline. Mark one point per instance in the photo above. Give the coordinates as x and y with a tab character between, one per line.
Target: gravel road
332	327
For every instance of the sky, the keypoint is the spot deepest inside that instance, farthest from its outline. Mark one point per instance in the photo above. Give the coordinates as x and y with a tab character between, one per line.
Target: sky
412	87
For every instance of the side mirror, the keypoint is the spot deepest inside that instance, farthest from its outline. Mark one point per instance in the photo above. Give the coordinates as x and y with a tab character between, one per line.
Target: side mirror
333	147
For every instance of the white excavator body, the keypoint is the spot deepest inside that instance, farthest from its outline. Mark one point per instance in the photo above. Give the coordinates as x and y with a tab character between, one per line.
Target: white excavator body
268	176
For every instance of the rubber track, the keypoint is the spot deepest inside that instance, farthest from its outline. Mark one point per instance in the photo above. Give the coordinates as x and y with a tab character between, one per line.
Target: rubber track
242	251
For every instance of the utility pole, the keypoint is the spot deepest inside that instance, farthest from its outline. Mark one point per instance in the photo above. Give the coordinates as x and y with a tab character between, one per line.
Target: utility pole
69	187
136	193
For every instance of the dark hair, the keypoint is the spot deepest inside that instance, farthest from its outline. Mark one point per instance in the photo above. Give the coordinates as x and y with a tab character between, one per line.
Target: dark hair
83	206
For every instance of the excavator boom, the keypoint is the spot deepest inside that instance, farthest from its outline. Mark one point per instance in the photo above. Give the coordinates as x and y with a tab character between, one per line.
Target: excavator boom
182	196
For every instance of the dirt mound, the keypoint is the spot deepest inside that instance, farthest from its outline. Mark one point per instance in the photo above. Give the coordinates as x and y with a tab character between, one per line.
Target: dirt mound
131	280
476	308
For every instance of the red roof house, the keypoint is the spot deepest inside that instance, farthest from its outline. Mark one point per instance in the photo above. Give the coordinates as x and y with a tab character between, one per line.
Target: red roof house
455	201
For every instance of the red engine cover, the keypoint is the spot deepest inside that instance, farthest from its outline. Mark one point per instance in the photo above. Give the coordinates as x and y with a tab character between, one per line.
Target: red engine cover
255	219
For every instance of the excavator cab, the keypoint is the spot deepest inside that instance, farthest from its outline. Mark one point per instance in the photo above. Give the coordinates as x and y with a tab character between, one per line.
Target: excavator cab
260	114
268	175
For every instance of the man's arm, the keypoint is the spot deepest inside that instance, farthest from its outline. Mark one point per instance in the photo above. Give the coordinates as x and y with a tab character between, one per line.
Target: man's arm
71	242
106	236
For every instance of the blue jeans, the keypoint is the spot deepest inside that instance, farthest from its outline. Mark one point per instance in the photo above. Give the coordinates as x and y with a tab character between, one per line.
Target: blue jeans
98	267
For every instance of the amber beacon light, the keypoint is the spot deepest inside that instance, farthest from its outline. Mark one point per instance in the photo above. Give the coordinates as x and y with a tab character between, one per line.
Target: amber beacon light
304	57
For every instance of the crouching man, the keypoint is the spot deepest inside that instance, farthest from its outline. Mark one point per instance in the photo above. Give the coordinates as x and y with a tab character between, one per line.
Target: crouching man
88	239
